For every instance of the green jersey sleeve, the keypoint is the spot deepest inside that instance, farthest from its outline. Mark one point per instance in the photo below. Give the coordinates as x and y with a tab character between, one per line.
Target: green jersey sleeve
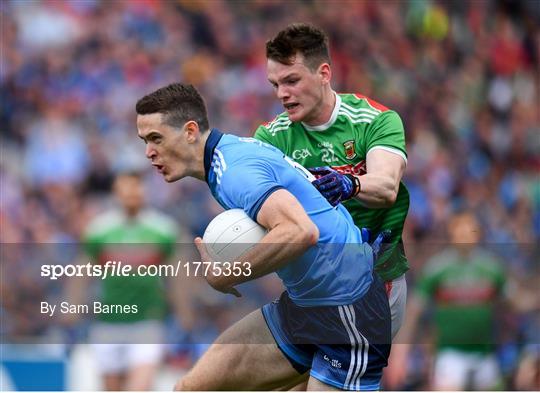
387	131
261	133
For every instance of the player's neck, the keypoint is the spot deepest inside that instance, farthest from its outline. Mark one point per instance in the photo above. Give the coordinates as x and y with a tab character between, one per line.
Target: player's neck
327	108
132	212
197	169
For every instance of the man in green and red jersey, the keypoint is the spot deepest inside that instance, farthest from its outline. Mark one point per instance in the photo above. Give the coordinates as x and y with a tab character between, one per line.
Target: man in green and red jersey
465	284
354	145
129	345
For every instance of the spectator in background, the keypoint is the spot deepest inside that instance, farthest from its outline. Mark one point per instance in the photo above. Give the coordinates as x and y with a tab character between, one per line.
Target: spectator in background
464	283
130	346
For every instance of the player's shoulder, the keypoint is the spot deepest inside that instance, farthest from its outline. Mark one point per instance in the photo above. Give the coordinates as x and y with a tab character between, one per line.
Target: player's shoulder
278	125
361	110
487	260
159	222
360	101
231	150
440	263
104	223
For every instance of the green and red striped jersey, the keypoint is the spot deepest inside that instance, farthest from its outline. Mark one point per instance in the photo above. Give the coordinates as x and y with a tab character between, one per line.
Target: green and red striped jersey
147	239
357	125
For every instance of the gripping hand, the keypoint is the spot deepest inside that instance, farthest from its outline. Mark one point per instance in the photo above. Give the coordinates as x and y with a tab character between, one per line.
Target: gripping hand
377	243
334	186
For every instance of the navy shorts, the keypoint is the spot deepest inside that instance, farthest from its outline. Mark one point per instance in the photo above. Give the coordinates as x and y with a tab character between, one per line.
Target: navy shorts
344	346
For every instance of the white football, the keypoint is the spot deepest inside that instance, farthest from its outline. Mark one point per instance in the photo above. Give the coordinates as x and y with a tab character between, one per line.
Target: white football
230	234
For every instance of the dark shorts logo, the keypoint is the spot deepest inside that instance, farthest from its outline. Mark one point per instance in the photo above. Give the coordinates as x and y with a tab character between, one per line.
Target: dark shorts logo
349	150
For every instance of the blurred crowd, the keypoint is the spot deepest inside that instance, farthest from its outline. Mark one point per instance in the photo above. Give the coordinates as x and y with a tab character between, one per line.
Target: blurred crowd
463	75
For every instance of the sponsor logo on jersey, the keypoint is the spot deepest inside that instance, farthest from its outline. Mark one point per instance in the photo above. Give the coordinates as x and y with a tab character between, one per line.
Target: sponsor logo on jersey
357	169
301	154
350	153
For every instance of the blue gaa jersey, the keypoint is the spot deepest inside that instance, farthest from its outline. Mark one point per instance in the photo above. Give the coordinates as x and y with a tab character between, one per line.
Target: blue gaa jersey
243	172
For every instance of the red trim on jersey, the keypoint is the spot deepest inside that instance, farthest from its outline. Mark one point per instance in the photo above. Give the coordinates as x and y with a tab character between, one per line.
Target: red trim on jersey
373	103
466	295
388	287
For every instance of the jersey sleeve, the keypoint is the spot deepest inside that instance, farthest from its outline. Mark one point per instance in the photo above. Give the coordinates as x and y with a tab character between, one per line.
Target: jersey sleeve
248	186
387	132
271	132
261	134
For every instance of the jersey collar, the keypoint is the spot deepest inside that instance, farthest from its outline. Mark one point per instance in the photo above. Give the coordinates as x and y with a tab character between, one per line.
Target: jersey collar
211	143
330	122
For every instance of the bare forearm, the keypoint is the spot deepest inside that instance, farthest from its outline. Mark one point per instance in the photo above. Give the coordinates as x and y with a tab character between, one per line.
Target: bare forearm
377	191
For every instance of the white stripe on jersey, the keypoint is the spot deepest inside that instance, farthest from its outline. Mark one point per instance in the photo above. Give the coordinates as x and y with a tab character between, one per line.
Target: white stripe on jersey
278	125
391	150
222	159
279	120
219	165
274	131
358	116
356	120
372	111
217	171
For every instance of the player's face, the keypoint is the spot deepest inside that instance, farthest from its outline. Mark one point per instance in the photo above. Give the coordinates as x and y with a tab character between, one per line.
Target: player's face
299	89
464	230
129	191
165	146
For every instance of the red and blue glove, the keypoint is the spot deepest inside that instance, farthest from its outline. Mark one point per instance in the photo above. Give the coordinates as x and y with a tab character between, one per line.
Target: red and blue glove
334	186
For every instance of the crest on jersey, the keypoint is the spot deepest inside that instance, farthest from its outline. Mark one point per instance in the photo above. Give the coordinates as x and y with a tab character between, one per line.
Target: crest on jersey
350	153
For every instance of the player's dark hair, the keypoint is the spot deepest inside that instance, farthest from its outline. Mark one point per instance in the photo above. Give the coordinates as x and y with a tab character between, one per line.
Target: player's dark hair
310	41
178	103
137	174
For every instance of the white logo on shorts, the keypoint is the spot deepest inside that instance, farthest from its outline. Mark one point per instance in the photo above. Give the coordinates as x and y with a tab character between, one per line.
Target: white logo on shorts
333	362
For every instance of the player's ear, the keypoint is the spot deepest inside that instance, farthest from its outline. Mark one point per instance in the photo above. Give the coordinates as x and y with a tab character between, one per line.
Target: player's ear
325	72
191	130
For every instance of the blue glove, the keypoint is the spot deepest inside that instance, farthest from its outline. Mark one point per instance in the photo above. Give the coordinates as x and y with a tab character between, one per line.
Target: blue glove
377	244
334	186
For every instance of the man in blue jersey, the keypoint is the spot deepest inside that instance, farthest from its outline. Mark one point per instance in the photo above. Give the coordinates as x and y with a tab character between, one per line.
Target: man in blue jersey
333	320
